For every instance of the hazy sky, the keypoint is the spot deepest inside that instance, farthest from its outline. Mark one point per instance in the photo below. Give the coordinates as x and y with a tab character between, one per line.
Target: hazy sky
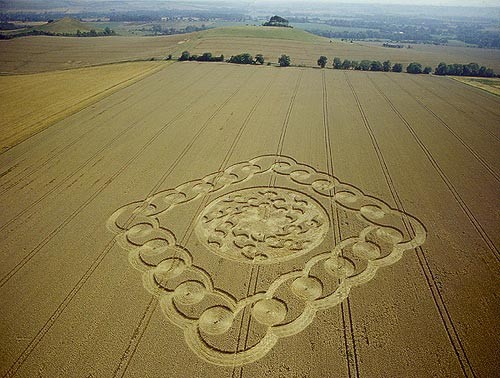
412	2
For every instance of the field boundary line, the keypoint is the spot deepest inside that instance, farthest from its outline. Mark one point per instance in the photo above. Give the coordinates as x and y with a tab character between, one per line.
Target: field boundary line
85	103
69	297
477	225
473	84
133	343
422	259
482	92
347	325
452	132
474	91
457	109
81	167
59	151
69	115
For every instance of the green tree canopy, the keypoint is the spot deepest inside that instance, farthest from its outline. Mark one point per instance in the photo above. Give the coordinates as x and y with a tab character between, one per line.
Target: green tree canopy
244	58
365	65
441	69
337	63
185	56
376	66
414	68
322	61
398	67
284	60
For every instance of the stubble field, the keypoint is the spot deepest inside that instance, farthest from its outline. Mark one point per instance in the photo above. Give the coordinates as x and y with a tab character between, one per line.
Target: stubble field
214	220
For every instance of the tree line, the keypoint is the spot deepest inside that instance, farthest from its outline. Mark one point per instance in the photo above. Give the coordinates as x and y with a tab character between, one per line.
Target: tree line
205	57
363	65
245	58
471	69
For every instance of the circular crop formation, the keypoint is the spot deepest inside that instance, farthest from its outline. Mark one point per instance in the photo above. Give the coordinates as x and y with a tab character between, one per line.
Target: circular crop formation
262	225
259	225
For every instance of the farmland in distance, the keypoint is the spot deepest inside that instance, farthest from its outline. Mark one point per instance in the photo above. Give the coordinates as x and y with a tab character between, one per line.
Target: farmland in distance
40	53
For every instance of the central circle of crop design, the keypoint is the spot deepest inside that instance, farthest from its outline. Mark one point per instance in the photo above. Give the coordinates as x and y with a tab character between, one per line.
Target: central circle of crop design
262	225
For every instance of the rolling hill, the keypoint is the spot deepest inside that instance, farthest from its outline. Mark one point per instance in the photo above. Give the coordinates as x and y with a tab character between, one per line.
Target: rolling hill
66	25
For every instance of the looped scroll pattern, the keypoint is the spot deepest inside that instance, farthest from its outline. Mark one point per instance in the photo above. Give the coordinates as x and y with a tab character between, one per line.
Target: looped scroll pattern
170	274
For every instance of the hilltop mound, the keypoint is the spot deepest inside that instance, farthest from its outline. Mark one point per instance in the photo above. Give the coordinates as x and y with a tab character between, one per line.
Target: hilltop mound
66	25
268	32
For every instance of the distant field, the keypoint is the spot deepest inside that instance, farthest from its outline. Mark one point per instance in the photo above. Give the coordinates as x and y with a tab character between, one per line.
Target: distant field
227	42
216	220
144	28
30	103
36	54
65	25
260	33
325	27
41	53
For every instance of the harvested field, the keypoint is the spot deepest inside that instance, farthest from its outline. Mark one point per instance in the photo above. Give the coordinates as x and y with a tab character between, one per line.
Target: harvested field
36	54
30	103
214	220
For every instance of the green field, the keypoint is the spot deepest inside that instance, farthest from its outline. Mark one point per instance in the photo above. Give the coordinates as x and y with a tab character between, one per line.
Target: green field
291	34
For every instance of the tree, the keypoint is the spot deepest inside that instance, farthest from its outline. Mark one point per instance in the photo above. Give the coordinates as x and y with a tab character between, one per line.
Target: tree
284	60
471	69
355	65
414	68
206	57
276	21
427	70
474	69
387	65
489	73
441	69
185	56
259	58
398	67
337	63
455	69
244	58
376	66
107	30
322	61
346	64
365	65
